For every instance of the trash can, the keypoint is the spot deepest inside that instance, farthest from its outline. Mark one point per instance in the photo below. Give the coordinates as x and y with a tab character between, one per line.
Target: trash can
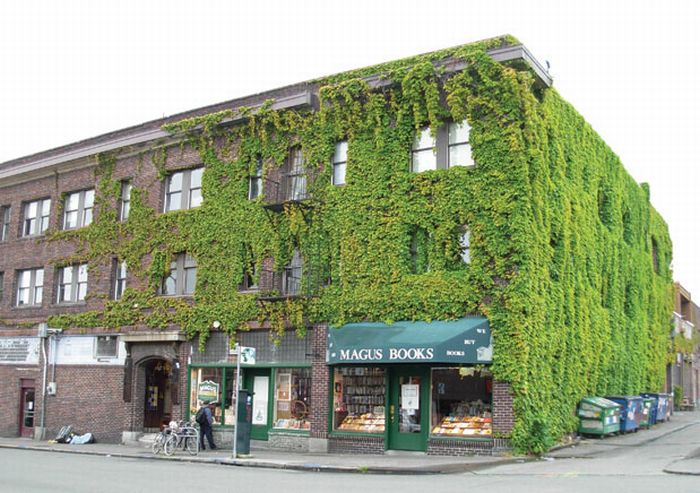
665	406
630	411
653	410
647	404
598	416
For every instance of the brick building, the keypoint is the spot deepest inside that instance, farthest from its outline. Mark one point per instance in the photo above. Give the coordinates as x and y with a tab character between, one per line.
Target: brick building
684	372
137	245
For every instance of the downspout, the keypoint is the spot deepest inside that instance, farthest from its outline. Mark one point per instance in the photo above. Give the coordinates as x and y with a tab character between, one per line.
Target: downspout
43	387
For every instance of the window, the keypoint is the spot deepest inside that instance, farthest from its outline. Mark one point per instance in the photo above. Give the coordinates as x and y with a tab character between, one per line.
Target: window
255	181
214	385
182	277
423	157
4	222
125	200
459	152
2	285
296	177
340	159
449	148
36	217
461	402
465	245
359	394
183	190
292	398
72	283
106	347
30	287
418	251
77	209
291	279
119	279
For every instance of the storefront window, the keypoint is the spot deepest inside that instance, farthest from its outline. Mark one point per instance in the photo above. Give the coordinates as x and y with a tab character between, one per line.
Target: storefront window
209	385
292	398
461	402
359	395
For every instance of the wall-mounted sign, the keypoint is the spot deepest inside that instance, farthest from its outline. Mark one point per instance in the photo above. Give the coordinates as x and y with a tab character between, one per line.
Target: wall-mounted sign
247	355
208	391
14	350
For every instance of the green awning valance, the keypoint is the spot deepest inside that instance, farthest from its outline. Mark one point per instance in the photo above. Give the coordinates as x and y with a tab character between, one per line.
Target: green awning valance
463	341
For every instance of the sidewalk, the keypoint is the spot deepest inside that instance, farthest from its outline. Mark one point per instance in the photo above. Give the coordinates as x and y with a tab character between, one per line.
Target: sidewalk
390	463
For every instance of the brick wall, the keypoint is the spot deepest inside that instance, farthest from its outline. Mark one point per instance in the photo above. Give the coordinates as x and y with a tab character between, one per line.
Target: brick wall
503	417
356	445
319	383
445	446
90	399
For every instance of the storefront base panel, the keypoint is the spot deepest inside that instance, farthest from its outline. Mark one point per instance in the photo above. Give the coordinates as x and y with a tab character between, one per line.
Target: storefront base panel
445	446
356	445
292	442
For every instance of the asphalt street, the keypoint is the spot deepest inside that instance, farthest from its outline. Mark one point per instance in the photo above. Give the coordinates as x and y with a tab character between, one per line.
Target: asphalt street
596	466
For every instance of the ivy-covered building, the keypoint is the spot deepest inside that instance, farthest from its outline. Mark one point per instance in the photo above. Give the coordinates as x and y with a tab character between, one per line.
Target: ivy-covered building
435	254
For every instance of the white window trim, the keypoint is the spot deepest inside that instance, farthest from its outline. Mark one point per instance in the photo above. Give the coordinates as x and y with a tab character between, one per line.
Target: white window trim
185	191
32	287
81	210
75	284
39	218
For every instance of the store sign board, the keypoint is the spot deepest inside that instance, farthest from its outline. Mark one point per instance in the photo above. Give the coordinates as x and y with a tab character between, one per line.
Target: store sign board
463	341
19	350
208	391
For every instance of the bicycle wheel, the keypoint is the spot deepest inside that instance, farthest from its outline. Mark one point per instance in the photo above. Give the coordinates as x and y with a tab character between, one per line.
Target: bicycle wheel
192	445
170	445
157	446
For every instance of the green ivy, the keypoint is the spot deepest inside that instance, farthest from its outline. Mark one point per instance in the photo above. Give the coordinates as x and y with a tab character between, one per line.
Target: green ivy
561	236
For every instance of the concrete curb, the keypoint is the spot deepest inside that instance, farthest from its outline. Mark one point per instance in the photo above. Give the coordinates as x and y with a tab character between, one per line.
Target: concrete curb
308	467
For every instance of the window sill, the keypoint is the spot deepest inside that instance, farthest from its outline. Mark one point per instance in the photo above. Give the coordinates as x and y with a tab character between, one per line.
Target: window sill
175	296
462	438
356	434
64	304
27	307
288	431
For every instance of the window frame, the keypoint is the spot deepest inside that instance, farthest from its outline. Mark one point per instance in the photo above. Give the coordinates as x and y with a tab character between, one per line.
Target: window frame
5	216
336	163
185	190
295	266
125	199
119	283
257	178
43	221
81	211
33	287
104	356
296	175
465	245
442	146
75	284
179	266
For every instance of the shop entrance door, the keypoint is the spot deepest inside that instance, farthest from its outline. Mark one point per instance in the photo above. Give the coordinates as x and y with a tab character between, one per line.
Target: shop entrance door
408	408
157	403
257	381
26	412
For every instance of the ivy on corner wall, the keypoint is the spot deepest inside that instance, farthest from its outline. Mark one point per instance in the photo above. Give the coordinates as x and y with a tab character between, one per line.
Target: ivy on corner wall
562	238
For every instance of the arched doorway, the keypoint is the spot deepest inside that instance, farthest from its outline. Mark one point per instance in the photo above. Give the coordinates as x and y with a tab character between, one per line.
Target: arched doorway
158	398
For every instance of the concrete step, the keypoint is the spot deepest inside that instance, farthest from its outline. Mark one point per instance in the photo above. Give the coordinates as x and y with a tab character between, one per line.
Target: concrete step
146	439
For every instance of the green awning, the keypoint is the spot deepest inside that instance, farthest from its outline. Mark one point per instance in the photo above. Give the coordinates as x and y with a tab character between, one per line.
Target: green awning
463	341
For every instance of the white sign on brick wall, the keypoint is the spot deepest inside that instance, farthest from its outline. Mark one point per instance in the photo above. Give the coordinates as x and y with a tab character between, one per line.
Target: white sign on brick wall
19	350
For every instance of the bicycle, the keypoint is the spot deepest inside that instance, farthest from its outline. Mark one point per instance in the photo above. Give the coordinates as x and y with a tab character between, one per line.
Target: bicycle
179	435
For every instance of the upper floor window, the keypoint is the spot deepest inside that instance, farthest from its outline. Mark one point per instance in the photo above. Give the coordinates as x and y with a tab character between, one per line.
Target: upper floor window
119	279
291	276
459	152
296	175
423	156
340	160
30	287
4	222
125	200
2	285
72	283
183	189
182	277
418	251
36	217
106	347
448	148
465	245
255	181
77	209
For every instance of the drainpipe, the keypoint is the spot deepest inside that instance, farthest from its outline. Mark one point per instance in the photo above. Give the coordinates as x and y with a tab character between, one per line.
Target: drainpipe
43	384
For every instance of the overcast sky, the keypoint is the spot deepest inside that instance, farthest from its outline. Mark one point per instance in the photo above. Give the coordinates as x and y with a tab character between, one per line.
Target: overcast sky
70	70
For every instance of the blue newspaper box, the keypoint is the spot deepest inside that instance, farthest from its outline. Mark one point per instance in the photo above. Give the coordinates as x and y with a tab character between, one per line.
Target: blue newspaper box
631	413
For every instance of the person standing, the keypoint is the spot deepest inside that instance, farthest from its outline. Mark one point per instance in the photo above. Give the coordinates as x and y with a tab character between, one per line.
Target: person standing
205	418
